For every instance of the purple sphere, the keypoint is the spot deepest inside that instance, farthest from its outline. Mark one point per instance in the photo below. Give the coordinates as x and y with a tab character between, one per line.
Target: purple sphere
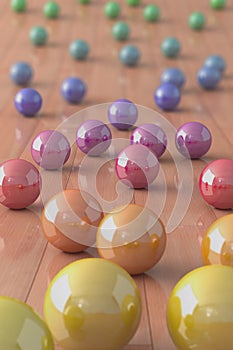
93	137
151	136
167	96
28	102
122	114
50	149
137	166
193	140
73	90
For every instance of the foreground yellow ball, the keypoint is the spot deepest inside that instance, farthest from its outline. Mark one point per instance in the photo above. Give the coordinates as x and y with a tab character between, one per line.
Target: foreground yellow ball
21	328
200	309
217	243
92	304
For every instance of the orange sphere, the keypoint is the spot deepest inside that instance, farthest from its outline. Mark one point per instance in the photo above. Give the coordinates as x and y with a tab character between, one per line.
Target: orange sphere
217	243
133	237
70	220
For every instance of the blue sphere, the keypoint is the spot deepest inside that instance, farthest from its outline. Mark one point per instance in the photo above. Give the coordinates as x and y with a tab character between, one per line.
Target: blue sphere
216	62
167	96
28	102
79	49
174	76
21	73
208	78
130	55
73	89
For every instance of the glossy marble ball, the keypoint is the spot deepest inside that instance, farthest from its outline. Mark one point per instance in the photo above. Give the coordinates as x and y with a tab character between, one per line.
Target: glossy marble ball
216	62
21	327
217	4
197	21
193	140
38	36
19	183
151	136
73	89
171	47
167	96
19	5
208	78
137	166
28	102
151	13
21	73
200	308
50	149
93	137
174	76
121	31
133	3
112	9
51	10
133	237
217	242
130	55
92	304
79	49
216	183
122	114
70	220
84	2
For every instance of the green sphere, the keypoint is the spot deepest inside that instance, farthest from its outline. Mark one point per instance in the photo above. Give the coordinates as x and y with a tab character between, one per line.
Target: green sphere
151	13
38	36
197	21
133	2
19	5
217	4
171	47
51	9
121	31
84	2
112	9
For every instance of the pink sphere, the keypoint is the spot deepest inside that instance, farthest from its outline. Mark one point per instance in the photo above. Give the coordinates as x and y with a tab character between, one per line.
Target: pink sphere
50	149
19	183
216	183
137	166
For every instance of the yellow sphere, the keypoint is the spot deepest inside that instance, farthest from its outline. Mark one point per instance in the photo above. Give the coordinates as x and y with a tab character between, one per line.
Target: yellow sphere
200	309
217	243
92	304
21	328
133	237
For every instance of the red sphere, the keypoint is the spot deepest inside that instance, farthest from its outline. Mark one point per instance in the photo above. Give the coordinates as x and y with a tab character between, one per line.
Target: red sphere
216	183
19	183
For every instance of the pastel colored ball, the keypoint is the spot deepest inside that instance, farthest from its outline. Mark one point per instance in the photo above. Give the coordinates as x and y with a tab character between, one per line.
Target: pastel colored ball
137	166
50	149
171	47
130	55
73	90
79	49
21	73
38	36
21	327
173	75
133	3
167	96
216	183
93	137
70	220
197	21
19	5
200	308
28	102
216	62
208	78
51	9
151	13
121	31
217	242
122	114
98	306
217	4
133	237
193	140
151	136
112	9
19	183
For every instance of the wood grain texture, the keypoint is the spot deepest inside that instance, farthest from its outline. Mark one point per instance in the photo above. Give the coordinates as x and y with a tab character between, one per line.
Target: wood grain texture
27	261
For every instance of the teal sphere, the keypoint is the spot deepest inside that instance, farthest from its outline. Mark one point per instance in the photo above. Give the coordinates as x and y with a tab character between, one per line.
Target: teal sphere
79	49
171	47
121	31
38	36
130	55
